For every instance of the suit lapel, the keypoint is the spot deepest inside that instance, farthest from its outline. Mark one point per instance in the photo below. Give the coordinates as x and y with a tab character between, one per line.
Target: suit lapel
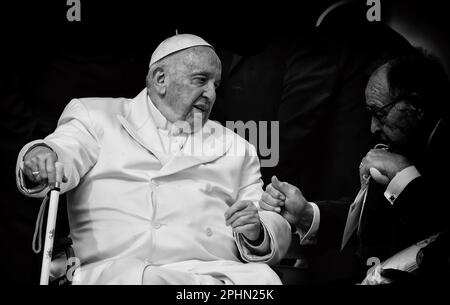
140	126
200	148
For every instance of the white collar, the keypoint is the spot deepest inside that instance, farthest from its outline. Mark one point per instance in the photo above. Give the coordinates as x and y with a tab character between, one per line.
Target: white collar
162	123
160	120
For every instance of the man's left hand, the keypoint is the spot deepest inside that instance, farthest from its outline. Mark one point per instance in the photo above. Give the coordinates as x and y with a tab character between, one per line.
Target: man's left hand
243	218
387	164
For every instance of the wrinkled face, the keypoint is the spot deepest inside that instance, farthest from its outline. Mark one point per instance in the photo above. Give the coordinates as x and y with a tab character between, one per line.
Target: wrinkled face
193	77
394	122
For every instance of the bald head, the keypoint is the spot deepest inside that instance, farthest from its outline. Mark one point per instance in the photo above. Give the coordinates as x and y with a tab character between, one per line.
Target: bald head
405	99
396	121
377	89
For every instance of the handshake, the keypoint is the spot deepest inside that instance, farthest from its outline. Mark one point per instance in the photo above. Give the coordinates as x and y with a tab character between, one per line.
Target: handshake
288	201
279	197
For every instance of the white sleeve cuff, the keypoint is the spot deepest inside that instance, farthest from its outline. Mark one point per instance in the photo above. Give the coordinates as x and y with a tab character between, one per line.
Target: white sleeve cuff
399	182
310	236
260	249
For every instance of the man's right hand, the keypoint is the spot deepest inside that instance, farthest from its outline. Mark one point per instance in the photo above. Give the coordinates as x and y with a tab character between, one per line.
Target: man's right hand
39	166
288	200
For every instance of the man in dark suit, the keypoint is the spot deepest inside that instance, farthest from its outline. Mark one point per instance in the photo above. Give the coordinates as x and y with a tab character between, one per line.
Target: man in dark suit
311	80
405	201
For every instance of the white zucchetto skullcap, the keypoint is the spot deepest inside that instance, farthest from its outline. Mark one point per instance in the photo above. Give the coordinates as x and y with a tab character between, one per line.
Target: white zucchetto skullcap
177	43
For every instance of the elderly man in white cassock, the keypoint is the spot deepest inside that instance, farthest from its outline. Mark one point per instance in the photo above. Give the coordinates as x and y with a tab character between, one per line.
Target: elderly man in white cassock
156	192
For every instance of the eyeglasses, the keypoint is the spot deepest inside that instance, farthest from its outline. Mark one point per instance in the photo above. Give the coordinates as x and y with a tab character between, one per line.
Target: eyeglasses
380	113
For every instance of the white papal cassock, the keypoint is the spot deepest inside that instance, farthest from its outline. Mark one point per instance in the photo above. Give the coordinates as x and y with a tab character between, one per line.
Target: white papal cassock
132	205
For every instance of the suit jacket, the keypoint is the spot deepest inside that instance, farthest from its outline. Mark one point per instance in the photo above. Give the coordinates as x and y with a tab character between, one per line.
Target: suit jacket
130	205
418	212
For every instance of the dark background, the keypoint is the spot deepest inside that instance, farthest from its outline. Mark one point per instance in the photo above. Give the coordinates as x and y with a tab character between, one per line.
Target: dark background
47	60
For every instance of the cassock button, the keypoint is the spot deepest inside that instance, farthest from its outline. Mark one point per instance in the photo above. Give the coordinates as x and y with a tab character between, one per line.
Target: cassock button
209	232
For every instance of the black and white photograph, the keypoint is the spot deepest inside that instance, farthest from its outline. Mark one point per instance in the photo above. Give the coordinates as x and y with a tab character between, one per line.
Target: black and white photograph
261	146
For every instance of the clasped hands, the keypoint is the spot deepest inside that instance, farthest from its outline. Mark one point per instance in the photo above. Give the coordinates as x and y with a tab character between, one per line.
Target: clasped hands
289	202
382	165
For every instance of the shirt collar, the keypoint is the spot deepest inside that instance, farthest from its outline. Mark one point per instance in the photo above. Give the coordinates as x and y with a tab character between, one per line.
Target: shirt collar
162	123
160	120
